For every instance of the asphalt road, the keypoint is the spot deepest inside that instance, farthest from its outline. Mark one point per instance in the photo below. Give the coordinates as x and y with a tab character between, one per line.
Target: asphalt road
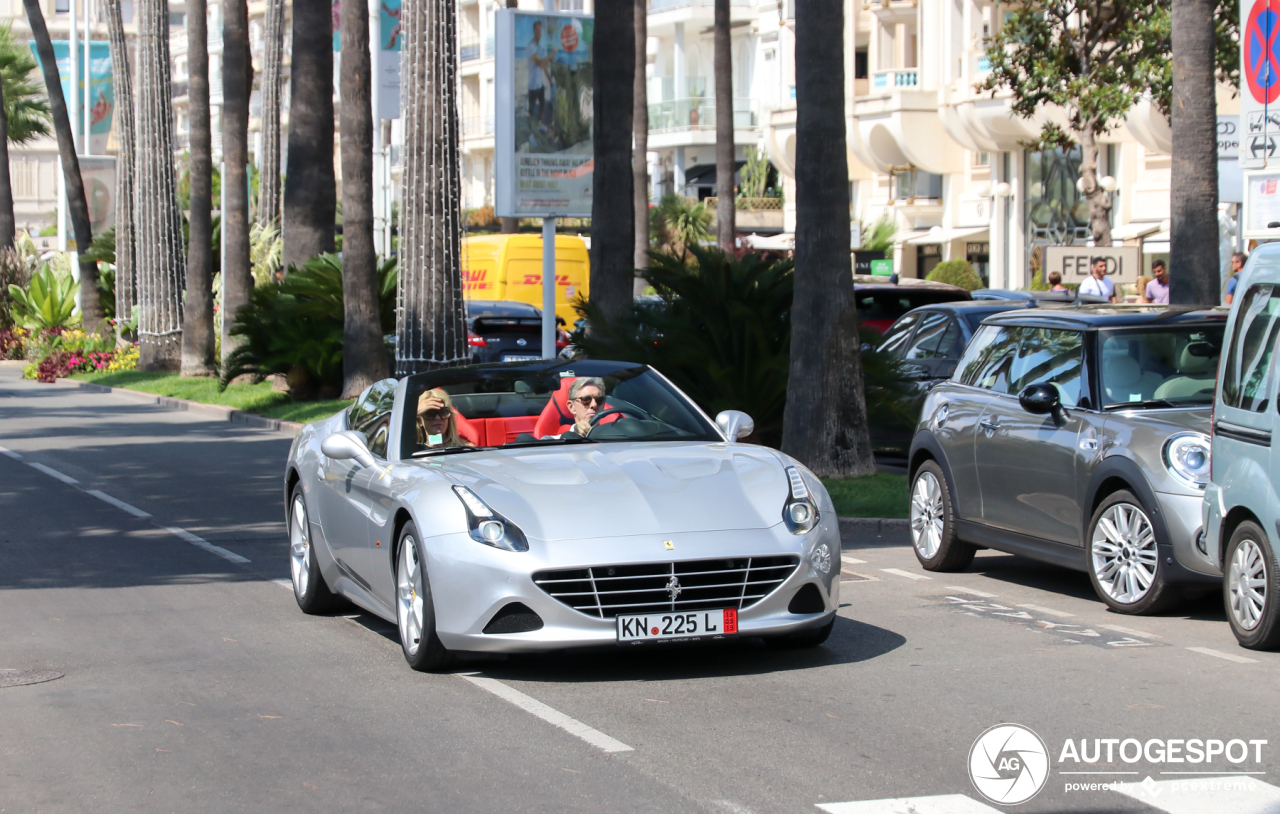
193	683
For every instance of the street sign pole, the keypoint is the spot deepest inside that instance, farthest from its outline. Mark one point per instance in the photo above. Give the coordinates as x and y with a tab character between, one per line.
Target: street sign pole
1260	125
548	269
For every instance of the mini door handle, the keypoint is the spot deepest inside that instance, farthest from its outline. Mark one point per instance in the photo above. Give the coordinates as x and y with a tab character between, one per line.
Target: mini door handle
1089	444
988	424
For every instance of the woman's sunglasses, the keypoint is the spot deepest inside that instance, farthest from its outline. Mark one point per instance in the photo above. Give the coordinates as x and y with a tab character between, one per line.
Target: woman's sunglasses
432	415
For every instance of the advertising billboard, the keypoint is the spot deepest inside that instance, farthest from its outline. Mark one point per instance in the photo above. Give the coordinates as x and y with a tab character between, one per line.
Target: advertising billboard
543	114
102	93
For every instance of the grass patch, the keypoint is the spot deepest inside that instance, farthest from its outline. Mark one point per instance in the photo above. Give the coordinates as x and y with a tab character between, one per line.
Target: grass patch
878	495
251	398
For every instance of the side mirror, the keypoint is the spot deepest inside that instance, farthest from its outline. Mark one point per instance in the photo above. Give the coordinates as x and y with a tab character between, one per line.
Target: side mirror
735	424
1041	399
347	445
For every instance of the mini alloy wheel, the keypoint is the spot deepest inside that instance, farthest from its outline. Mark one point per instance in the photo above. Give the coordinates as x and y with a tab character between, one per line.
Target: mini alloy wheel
1124	557
309	587
1249	588
933	534
415	613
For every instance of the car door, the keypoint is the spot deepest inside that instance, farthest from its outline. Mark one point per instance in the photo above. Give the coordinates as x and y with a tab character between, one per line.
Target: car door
1028	464
893	428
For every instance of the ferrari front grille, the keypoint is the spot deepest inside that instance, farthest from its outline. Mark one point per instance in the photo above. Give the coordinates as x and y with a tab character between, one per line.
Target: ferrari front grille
605	591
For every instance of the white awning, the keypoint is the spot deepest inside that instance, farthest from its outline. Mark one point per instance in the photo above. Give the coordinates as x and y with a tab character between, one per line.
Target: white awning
940	235
1129	231
785	242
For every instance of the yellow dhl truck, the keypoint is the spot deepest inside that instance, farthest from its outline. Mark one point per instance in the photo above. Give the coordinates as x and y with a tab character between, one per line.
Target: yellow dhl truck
509	267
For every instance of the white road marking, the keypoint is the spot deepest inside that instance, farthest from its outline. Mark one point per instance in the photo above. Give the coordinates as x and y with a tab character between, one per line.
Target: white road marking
1050	611
972	592
852	560
898	572
200	542
10	453
1208	651
119	504
53	473
1238	794
1141	634
941	804
537	708
736	808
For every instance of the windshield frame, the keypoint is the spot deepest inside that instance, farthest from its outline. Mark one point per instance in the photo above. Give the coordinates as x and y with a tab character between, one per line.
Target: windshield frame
415	384
1151	401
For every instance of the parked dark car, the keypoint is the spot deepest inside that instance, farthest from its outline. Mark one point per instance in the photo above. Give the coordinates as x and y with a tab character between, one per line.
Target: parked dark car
927	344
503	331
881	302
1040	296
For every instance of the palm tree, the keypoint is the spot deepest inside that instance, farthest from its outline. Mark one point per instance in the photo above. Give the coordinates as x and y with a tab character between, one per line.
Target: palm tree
726	215
237	81
272	75
77	205
613	231
160	255
430	330
640	135
1194	179
126	251
310	203
825	424
23	116
198	343
363	359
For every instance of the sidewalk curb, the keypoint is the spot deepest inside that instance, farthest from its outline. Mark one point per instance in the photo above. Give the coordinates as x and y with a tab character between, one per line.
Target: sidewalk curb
215	411
872	525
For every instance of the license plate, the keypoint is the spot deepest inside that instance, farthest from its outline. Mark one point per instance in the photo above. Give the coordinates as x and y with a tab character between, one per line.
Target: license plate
520	357
654	627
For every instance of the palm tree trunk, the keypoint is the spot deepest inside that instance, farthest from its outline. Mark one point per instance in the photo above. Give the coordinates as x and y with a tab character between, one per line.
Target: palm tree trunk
272	75
310	186
363	359
640	136
160	253
825	424
126	249
612	208
726	226
430	332
77	204
8	225
1193	279
237	81
198	343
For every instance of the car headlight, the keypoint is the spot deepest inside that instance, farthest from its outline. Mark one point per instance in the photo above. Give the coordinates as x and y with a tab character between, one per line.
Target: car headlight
487	526
800	512
1186	455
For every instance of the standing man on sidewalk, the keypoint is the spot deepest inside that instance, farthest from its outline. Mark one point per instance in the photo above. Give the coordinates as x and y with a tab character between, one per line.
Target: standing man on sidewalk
1098	285
1157	291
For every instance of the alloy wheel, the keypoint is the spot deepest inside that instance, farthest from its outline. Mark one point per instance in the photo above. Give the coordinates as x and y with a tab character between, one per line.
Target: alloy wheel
300	547
1247	580
926	515
1123	551
409	596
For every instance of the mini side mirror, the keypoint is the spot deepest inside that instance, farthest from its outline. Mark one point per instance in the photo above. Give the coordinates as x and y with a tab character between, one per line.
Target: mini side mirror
735	424
1041	399
347	445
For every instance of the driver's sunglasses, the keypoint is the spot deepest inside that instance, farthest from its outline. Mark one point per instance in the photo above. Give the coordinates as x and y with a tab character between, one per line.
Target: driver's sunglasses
586	401
432	415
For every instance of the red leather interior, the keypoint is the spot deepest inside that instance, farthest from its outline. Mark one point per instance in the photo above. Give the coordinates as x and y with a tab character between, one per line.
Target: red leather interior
467	429
556	413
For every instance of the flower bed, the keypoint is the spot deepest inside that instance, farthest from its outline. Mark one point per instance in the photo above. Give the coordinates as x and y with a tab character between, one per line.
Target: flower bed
55	353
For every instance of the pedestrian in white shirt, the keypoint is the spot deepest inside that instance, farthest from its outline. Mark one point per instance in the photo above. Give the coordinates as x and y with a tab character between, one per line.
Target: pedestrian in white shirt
1098	285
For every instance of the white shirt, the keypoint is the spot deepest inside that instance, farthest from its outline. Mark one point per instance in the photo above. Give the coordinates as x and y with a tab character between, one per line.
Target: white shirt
1098	288
536	51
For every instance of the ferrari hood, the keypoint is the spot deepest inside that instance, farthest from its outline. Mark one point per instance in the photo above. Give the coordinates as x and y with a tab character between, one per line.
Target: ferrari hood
596	490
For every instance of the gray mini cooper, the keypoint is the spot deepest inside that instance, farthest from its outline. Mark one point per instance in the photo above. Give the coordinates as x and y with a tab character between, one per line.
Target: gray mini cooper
1078	437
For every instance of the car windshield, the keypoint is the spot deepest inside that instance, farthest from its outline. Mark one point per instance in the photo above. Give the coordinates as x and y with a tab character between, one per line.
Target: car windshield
1164	367
507	406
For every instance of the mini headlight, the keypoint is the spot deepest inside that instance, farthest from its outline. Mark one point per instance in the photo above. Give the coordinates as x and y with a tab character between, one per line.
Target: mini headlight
800	512
1186	455
487	526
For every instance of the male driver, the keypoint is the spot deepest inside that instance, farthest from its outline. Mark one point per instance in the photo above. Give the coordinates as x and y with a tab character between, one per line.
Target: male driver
539	59
1098	285
1157	291
586	398
1237	265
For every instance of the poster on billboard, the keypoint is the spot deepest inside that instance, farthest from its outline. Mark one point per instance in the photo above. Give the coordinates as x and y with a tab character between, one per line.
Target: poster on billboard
543	114
386	57
102	93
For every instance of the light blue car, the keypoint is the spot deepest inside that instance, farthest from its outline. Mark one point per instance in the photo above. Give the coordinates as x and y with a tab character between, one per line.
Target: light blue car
1241	509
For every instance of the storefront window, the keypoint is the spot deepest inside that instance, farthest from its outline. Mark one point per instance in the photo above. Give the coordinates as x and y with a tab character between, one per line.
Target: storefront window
1057	214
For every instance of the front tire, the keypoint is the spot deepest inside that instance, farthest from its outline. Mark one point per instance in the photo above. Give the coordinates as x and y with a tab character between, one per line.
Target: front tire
415	612
1124	557
309	587
1250	586
933	526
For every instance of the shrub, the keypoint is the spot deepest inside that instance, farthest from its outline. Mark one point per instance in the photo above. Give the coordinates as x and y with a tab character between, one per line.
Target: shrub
48	301
11	342
678	222
956	272
481	217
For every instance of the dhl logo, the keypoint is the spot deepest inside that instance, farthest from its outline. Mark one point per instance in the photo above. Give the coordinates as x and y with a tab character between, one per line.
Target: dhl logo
536	279
473	275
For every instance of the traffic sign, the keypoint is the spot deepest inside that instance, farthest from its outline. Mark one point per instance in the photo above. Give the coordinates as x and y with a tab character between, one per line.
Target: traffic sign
1260	71
1261	64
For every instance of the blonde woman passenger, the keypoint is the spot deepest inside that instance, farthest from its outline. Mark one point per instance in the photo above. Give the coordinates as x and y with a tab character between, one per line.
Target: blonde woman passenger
437	424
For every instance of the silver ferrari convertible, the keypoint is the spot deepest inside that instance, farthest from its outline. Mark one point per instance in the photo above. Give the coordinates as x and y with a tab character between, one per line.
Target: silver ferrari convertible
543	505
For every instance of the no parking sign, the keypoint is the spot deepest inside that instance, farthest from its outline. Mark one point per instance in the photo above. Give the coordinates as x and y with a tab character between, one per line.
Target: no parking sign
1260	66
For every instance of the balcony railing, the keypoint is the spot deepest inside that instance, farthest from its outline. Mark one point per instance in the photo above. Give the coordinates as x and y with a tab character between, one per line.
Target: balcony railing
469	49
699	114
897	78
